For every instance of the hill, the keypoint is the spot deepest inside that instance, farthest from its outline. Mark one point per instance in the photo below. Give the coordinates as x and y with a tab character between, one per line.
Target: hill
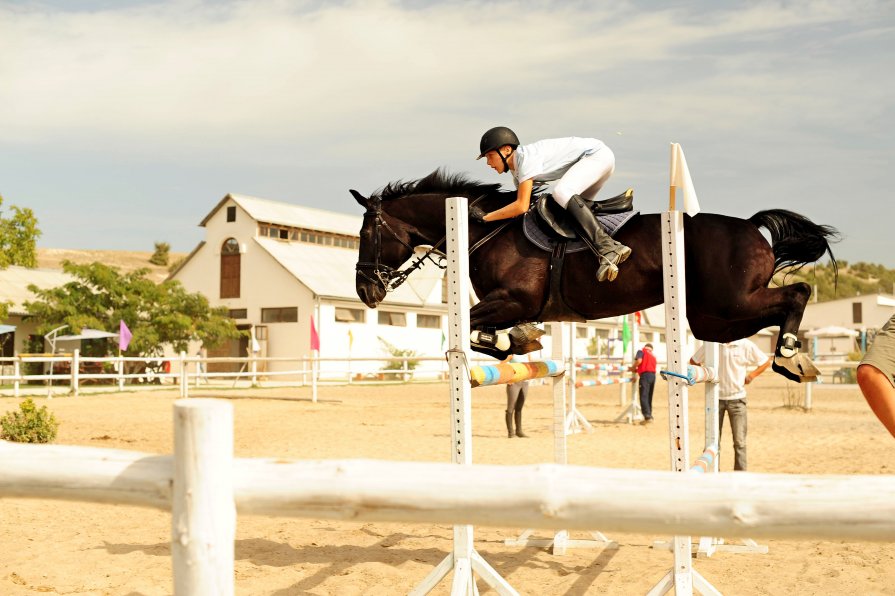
125	261
855	279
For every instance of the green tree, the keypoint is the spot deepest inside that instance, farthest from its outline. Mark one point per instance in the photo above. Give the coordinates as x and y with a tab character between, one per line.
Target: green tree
157	314
160	256
18	237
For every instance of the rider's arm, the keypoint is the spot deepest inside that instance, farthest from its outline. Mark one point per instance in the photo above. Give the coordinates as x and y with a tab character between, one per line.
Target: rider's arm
517	207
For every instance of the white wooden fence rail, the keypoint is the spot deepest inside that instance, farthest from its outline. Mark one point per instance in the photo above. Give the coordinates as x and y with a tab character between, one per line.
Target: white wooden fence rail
544	496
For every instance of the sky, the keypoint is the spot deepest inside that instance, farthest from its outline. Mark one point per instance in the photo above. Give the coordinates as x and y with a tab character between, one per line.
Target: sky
123	123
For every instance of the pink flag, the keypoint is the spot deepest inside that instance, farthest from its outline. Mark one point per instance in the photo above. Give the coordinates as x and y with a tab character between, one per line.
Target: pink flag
315	339
124	336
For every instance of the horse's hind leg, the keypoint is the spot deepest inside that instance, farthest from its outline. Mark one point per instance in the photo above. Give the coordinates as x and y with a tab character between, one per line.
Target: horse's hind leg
788	361
756	310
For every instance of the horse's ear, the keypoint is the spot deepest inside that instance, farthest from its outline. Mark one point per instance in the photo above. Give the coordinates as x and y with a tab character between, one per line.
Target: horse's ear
361	199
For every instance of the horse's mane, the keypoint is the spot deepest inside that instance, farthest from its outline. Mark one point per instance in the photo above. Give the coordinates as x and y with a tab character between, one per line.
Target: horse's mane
438	181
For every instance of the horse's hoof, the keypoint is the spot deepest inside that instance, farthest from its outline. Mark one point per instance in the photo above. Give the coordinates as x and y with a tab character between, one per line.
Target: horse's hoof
799	368
783	371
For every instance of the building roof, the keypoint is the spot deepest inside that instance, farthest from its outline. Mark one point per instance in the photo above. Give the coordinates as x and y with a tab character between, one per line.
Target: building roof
14	282
329	272
276	212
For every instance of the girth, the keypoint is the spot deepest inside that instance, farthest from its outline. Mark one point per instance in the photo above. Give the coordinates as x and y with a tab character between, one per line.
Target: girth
555	305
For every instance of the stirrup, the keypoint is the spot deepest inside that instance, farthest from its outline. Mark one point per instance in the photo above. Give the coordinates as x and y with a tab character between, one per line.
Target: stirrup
607	271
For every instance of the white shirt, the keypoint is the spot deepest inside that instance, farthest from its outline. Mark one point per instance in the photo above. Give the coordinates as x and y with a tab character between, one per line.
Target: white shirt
733	359
547	160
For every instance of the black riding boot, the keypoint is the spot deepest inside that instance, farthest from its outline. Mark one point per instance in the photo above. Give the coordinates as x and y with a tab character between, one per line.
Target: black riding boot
509	417
610	253
518	415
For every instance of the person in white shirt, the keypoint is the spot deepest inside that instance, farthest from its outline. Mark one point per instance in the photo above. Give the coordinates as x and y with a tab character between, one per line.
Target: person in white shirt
734	359
579	166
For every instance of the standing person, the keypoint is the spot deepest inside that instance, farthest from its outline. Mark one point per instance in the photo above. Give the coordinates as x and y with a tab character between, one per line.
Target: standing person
733	360
516	394
876	375
645	367
581	166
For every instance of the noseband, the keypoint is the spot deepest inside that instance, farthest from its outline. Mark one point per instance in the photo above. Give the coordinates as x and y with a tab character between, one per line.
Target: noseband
389	277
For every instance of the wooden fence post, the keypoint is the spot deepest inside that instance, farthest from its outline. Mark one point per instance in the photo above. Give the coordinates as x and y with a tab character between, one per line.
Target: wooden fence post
203	515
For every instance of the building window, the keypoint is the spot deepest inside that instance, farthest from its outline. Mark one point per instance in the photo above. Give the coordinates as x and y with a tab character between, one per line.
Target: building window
239	313
261	332
349	315
231	214
396	319
856	314
230	268
581	332
288	314
428	321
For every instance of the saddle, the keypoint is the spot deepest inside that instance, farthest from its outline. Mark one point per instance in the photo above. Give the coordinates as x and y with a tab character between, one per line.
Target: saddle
550	228
547	224
556	220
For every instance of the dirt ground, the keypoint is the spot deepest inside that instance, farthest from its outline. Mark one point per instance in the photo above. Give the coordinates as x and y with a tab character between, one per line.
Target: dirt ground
61	547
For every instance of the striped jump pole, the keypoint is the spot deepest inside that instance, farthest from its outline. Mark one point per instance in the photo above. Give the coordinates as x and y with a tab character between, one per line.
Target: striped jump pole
513	372
611	368
695	374
707	462
606	381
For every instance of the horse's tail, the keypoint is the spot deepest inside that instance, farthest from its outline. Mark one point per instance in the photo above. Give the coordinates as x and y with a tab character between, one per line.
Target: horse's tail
796	240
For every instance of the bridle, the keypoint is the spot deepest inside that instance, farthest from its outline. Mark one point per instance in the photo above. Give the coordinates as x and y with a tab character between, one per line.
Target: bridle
391	278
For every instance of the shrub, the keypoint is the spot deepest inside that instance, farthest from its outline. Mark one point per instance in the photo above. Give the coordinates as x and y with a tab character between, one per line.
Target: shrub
29	425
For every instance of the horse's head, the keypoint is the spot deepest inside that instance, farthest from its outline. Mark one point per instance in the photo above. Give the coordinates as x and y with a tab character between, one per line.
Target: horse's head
400	217
385	243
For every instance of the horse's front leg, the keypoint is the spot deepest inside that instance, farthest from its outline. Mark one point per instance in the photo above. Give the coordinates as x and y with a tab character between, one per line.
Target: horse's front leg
491	316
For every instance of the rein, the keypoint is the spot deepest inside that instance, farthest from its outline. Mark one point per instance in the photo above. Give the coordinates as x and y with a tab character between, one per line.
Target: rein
390	277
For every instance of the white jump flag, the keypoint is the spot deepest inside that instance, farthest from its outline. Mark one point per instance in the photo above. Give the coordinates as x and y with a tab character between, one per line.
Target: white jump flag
680	179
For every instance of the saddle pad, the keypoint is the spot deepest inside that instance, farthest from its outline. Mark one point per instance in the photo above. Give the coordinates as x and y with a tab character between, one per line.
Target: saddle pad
610	223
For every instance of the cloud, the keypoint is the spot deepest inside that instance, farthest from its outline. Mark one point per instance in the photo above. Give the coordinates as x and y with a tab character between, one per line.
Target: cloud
247	70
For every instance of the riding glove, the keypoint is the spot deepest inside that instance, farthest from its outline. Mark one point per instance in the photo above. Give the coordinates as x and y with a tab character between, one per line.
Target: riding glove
477	214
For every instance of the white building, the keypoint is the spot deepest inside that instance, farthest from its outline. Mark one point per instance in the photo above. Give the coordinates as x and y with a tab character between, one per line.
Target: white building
862	314
275	266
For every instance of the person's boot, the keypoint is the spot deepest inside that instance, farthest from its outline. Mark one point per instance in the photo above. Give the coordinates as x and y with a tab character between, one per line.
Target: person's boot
610	253
509	417
519	433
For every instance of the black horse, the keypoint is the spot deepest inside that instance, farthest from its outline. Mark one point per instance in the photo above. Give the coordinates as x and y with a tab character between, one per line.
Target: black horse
729	265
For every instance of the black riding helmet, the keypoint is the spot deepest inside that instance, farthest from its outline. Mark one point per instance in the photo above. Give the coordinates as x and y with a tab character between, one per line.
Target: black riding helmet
494	139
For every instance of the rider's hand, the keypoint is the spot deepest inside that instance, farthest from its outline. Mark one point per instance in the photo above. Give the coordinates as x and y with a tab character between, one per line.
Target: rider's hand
477	214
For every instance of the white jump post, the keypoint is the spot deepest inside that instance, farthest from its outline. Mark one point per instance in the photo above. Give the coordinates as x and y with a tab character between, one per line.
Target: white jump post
682	577
203	508
463	559
575	421
561	337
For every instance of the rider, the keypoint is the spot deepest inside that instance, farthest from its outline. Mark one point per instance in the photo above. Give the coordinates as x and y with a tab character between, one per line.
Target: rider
580	166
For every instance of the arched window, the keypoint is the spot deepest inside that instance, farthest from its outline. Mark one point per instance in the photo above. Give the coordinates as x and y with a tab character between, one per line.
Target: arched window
230	268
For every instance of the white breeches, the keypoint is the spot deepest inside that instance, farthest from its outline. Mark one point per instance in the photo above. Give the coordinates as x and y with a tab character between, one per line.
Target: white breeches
586	177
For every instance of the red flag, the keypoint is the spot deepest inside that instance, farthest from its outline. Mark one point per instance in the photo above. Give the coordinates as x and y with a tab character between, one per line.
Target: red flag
637	317
315	339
